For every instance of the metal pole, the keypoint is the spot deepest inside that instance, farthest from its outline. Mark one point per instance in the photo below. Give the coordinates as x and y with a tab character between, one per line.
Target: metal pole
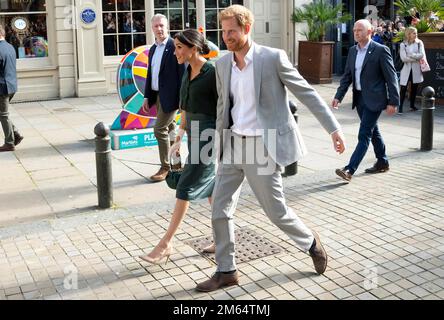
292	169
103	166
428	110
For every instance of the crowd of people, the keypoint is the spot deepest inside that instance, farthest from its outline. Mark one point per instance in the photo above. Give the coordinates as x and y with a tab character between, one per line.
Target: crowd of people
408	52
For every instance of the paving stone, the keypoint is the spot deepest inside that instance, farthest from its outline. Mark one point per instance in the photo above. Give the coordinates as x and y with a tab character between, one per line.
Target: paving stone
406	295
340	293
300	294
400	244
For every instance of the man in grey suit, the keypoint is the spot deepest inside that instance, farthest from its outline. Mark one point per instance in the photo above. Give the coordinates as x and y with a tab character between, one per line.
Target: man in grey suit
370	69
253	111
8	86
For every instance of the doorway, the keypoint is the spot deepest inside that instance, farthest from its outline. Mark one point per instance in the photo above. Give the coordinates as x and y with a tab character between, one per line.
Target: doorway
373	10
268	27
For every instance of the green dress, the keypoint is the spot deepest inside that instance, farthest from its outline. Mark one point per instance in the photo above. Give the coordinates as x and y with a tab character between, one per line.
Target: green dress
199	99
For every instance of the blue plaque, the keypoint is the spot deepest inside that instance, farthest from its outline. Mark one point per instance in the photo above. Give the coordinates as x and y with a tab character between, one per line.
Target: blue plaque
88	15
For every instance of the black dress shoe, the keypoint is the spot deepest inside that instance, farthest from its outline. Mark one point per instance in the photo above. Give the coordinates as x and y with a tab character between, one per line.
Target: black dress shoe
344	174
17	138
377	168
7	147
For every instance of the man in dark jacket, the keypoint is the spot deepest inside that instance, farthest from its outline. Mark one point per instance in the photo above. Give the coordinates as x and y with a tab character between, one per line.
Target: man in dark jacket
162	89
369	69
8	86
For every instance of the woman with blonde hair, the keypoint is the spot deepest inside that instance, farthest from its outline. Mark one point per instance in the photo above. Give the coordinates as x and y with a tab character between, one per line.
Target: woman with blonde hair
411	52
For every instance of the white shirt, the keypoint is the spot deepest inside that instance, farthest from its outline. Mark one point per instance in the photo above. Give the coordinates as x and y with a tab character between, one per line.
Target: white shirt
243	94
360	56
156	61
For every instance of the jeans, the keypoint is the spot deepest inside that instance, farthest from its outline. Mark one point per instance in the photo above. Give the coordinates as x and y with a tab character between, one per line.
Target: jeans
368	131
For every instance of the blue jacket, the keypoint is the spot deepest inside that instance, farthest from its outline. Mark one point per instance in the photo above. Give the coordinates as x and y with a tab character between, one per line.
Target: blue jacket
379	83
170	79
8	71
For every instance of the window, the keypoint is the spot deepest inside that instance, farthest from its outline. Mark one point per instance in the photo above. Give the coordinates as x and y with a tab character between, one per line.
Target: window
123	26
212	9
25	26
377	11
174	11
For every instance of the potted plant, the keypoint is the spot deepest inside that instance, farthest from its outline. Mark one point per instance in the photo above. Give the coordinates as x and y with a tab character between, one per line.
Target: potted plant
315	58
424	15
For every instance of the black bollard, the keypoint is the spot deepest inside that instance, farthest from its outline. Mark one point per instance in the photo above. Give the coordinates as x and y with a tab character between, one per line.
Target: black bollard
292	169
103	166
428	110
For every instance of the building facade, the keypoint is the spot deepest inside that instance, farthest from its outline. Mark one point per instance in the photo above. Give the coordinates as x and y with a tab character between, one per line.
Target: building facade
68	48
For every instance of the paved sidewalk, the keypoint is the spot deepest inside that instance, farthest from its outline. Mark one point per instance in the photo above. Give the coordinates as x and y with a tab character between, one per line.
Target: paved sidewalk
384	233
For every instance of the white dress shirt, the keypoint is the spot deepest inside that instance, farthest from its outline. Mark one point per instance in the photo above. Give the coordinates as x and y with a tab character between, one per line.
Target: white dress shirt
243	94
156	61
360	56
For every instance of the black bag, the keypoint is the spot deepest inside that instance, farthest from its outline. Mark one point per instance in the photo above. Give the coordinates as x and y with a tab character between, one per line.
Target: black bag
399	64
173	176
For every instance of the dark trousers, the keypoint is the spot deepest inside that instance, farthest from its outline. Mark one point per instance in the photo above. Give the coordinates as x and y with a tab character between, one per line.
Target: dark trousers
413	91
8	127
368	131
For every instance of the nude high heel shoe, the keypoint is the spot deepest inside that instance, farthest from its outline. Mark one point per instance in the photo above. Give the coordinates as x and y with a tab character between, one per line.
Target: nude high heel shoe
210	248
158	259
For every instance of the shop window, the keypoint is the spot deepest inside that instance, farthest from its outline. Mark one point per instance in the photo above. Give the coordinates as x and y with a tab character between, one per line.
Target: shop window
212	24
124	26
25	26
174	11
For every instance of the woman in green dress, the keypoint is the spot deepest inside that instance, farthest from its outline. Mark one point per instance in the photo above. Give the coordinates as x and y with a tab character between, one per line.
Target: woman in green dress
198	96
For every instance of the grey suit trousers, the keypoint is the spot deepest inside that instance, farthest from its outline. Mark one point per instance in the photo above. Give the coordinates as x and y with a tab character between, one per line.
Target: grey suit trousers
268	190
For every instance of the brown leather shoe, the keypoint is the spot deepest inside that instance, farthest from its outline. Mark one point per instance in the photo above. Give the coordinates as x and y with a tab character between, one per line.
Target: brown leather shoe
217	281
7	147
344	174
160	175
319	255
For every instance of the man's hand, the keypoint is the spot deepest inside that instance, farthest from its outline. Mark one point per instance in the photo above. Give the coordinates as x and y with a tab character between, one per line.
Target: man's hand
391	110
338	141
145	106
335	104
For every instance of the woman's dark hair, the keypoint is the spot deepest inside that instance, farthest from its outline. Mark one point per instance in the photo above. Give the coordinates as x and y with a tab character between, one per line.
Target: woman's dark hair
193	38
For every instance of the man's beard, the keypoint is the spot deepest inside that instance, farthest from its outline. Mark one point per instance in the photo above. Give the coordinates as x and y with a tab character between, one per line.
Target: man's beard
237	46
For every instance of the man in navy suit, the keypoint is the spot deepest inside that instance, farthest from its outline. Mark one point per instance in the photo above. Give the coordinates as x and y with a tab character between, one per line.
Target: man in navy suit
370	69
8	86
162	89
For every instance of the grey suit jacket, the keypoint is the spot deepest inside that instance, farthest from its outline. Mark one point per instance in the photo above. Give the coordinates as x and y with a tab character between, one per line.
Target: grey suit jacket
8	71
272	73
379	82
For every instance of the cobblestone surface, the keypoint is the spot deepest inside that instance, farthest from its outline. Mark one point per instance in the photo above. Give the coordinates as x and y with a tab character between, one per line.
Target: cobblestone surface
384	235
